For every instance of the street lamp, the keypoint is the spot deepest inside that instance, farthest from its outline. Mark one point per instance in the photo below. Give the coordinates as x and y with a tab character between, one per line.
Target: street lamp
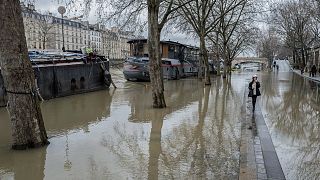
62	10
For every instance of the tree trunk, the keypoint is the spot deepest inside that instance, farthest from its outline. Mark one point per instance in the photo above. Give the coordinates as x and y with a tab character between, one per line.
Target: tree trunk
294	56
303	58
200	68
229	68
44	44
217	54
225	61
204	59
156	77
27	124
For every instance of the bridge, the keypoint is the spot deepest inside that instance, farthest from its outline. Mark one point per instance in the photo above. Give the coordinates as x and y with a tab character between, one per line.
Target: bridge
241	60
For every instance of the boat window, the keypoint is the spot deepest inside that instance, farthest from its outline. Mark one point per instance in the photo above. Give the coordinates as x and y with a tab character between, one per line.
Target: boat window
166	62
82	83
73	84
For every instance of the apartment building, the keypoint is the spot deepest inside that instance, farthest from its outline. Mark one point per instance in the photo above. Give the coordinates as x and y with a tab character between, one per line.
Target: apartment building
44	31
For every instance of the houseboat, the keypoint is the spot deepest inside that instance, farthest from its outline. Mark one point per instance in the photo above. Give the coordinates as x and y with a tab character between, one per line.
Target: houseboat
137	69
178	60
57	77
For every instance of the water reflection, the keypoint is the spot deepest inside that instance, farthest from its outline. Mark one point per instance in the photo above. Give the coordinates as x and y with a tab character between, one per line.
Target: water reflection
63	117
294	111
76	112
118	135
196	137
22	165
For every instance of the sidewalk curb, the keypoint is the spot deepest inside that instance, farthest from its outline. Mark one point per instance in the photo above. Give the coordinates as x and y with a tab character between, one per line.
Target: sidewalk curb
307	77
258	157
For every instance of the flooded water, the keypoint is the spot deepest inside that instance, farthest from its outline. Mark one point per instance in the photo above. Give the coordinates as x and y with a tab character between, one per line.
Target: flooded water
291	107
116	134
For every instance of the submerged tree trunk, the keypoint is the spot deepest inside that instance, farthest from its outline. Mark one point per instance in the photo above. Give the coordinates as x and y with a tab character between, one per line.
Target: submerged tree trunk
217	55
156	76
225	61
27	124
204	59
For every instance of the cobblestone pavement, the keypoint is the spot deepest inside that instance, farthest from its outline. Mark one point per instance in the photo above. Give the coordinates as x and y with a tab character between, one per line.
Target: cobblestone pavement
258	158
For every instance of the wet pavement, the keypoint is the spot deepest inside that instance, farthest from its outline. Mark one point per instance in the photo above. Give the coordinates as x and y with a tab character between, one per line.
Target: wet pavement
116	134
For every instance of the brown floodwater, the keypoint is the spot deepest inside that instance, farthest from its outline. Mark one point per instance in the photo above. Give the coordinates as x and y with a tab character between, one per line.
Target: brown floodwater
116	134
291	108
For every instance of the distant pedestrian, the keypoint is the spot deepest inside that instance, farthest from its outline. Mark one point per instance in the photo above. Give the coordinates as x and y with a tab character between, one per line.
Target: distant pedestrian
274	64
277	67
313	70
254	91
309	70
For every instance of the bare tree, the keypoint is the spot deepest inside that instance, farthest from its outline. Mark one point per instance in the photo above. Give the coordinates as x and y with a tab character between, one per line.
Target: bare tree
242	39
46	32
268	45
131	14
235	29
293	20
27	124
200	15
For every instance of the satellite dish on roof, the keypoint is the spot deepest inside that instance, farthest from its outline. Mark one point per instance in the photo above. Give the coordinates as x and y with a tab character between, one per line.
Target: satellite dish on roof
61	10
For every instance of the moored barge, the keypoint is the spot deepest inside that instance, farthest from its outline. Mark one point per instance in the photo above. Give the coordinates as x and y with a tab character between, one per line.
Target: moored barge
58	78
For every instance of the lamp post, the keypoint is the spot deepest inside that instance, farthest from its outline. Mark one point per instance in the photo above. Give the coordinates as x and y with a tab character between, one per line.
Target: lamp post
62	10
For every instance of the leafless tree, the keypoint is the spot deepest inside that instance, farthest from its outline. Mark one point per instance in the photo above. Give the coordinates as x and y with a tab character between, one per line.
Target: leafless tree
293	20
135	14
268	45
46	32
200	15
28	129
235	29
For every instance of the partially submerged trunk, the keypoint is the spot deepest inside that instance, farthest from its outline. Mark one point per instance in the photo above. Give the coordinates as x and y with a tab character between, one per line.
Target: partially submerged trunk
156	77
204	59
225	67
225	61
217	55
27	124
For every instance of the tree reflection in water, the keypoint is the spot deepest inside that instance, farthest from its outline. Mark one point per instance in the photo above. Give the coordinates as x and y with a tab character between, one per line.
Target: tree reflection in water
297	115
201	146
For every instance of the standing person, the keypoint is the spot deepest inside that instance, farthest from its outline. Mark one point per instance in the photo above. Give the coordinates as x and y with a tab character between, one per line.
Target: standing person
313	70
254	91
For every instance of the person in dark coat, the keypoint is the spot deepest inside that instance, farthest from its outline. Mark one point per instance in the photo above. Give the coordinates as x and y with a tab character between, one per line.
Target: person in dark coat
313	70
254	90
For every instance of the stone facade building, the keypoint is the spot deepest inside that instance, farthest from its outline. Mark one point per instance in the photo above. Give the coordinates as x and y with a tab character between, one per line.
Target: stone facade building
44	31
